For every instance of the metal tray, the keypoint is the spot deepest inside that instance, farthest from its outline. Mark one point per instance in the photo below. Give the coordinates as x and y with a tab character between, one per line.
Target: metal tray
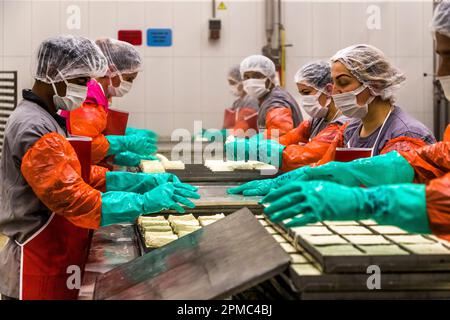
209	263
393	256
200	173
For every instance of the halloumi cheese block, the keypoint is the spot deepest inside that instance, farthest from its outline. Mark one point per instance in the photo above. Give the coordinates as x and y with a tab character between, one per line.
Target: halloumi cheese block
184	223
170	165
158	233
173	217
150	218
184	227
206	222
184	233
151	166
156	241
154	223
157	228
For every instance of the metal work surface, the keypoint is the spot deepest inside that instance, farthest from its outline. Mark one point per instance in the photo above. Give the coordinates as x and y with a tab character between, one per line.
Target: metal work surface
111	247
213	195
200	173
210	263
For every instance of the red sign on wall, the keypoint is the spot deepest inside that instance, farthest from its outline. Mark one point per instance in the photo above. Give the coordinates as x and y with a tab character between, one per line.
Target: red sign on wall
131	36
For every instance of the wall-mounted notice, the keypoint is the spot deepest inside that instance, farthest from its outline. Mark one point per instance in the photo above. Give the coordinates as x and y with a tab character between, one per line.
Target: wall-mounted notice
131	36
159	37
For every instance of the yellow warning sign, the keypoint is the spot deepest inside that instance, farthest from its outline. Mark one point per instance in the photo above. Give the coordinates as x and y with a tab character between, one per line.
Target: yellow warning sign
222	6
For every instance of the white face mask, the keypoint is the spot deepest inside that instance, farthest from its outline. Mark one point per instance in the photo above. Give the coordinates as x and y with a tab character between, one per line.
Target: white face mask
445	84
255	87
123	88
312	105
235	91
74	98
347	103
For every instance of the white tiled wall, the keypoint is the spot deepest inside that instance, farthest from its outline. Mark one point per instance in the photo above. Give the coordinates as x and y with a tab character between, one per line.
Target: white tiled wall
187	82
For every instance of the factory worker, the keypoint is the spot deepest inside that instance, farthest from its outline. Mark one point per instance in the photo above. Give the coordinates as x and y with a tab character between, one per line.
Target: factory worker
243	113
312	139
278	109
364	88
124	64
47	210
392	198
278	112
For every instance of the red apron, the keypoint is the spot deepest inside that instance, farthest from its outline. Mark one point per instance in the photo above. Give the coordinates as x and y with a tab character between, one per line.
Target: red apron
46	256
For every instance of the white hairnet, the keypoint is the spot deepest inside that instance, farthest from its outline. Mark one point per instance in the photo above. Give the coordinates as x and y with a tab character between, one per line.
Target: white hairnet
260	64
68	57
122	57
441	19
371	67
234	73
316	74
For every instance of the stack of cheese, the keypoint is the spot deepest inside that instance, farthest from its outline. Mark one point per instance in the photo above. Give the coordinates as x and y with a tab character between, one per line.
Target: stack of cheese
205	220
170	165
151	166
184	224
157	231
220	165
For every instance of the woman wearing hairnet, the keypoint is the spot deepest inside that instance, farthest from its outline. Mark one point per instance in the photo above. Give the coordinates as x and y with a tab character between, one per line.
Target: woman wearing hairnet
46	208
243	113
244	107
364	87
278	113
124	63
312	139
392	199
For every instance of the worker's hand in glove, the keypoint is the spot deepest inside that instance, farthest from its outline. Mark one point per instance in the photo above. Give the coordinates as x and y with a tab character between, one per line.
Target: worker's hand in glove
267	151
390	168
131	159
130	131
263	187
253	188
402	205
137	144
215	135
122	207
237	150
139	182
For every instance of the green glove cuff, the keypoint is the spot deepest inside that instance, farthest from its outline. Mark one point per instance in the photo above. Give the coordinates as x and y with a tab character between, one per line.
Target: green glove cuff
131	159
390	168
121	207
141	132
402	205
117	144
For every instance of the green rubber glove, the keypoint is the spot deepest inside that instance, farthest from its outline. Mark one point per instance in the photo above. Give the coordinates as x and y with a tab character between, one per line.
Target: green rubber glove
264	186
401	205
125	207
139	182
136	144
215	135
130	131
131	159
390	168
268	151
237	150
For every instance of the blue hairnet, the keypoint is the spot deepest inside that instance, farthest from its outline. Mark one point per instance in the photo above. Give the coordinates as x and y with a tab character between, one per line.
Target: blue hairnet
316	74
260	64
68	57
441	19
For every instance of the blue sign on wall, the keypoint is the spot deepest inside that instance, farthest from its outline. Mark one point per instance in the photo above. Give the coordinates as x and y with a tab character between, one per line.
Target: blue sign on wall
159	37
